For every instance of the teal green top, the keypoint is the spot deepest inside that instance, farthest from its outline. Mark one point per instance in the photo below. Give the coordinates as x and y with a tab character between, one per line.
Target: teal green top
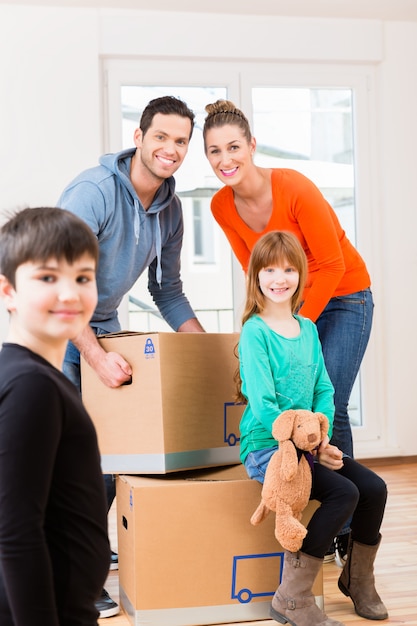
280	373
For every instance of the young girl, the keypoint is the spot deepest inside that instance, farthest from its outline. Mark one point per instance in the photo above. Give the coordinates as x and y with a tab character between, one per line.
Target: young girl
282	367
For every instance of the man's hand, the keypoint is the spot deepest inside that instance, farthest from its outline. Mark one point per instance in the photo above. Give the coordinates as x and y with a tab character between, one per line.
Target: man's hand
330	456
112	369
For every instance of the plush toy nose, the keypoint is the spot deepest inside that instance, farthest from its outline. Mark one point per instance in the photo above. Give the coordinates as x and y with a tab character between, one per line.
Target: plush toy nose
312	438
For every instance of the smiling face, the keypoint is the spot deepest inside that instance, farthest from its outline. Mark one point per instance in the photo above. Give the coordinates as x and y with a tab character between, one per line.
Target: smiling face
229	153
163	147
278	283
51	302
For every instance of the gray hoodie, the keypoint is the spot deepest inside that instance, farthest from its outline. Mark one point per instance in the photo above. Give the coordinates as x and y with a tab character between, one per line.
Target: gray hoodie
130	239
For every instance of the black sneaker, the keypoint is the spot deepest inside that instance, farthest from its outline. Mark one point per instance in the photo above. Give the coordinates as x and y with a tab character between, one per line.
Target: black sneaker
341	544
114	560
106	606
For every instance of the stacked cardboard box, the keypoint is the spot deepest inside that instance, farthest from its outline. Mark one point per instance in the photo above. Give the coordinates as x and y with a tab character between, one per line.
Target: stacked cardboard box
188	554
178	413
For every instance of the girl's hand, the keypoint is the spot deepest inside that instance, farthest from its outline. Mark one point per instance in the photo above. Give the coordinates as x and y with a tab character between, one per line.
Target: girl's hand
330	456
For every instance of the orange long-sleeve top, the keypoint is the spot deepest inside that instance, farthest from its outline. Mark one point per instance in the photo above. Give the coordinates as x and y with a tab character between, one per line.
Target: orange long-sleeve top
335	268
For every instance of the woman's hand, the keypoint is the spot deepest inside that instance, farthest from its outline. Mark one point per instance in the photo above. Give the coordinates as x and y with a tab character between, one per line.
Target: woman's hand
329	456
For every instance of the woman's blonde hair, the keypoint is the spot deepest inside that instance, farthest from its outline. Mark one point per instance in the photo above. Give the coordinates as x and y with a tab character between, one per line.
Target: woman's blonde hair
275	248
222	113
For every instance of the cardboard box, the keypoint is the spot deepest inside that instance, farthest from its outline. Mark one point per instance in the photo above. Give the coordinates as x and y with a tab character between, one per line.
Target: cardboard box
188	554
178	413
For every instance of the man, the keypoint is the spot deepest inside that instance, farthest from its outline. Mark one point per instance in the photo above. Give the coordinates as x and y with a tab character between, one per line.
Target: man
130	204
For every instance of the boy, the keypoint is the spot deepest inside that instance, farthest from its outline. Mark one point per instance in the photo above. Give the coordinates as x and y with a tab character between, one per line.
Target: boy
54	548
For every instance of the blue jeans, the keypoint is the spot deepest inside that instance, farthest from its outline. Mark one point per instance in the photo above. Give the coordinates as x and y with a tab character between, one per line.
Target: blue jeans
353	493
344	328
71	366
256	463
72	370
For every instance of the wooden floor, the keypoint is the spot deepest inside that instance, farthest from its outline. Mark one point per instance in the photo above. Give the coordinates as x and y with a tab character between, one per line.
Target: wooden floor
396	564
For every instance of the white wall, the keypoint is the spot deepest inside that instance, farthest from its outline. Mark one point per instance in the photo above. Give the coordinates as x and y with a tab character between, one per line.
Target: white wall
51	128
50	122
396	227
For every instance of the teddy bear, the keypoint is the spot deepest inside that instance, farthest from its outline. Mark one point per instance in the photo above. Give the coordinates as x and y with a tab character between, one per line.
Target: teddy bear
288	478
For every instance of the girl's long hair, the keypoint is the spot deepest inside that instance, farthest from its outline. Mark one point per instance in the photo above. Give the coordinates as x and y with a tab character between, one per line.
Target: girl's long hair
275	248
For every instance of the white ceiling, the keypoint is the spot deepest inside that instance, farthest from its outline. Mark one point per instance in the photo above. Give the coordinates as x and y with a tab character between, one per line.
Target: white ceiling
403	10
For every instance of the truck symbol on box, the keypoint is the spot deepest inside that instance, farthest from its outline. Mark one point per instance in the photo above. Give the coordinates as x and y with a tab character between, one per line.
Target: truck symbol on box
252	567
232	412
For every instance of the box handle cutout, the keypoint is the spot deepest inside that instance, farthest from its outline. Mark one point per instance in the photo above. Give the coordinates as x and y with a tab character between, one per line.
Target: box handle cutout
124	521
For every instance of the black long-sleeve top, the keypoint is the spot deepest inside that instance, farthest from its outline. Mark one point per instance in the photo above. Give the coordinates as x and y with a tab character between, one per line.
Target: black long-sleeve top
54	547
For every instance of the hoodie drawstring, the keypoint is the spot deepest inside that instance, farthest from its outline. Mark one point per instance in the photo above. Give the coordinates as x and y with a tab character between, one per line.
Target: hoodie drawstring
158	251
136	221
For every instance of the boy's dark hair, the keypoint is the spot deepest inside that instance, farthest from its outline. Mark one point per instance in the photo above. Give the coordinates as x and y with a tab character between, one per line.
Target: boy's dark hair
43	233
167	105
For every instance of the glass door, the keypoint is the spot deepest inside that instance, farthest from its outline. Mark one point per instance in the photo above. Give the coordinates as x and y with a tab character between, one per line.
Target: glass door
315	121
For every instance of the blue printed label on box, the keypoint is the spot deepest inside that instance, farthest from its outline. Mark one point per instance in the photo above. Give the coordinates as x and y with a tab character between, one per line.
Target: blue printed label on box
149	350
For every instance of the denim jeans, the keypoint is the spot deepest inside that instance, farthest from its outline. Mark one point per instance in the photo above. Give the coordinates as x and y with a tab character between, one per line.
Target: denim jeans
71	366
344	328
72	370
256	463
353	493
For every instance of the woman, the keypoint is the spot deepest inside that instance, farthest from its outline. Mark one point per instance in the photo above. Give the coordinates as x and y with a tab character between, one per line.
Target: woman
337	296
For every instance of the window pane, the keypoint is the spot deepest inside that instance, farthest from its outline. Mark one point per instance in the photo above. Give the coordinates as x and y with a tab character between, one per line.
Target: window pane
206	267
311	130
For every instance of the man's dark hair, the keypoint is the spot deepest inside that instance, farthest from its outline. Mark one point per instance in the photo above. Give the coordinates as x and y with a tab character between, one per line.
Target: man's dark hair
167	105
43	233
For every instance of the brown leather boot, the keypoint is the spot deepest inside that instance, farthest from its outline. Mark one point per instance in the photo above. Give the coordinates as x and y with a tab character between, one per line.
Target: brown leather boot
357	581
293	602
